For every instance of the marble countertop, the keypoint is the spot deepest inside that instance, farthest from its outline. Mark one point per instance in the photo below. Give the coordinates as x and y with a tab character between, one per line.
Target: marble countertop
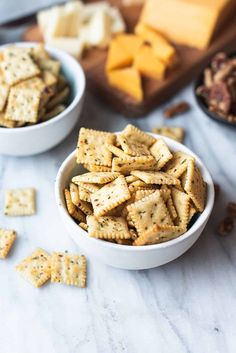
188	305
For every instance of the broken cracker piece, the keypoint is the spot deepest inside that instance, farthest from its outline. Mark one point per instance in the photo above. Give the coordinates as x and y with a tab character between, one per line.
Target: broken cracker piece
7	239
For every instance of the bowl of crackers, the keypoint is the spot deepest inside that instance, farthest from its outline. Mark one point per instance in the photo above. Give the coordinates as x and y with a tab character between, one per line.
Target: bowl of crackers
133	200
41	97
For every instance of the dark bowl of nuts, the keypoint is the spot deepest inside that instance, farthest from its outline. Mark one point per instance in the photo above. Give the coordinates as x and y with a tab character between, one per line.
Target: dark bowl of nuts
215	89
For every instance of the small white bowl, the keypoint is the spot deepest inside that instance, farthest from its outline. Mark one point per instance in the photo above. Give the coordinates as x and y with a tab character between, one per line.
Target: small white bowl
30	140
132	257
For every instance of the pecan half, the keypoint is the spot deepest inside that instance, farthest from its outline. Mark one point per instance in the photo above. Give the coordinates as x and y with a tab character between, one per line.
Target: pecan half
226	226
176	109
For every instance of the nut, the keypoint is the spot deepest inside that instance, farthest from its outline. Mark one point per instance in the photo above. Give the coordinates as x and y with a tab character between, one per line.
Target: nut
226	226
231	209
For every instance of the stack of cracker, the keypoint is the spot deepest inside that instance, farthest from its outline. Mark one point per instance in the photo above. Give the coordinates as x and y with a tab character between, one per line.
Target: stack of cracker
32	88
137	191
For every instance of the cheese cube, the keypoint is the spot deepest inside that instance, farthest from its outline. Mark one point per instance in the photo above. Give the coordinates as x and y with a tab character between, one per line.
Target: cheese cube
130	42
118	57
128	81
117	22
43	19
72	46
147	63
74	10
91	9
188	22
58	23
99	29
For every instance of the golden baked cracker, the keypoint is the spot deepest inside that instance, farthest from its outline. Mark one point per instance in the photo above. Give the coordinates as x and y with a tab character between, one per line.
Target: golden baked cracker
133	147
108	227
39	52
84	226
92	147
192	212
36	268
18	68
149	211
159	233
50	81
195	186
133	163
58	98
110	196
6	123
62	82
90	187
140	194
4	91
125	241
178	164
116	212
84	194
54	66
171	208
7	238
97	168
117	151
96	177
130	179
159	178
161	153
23	104
68	269
19	202
84	206
173	132
12	51
181	203
72	209
133	132
58	109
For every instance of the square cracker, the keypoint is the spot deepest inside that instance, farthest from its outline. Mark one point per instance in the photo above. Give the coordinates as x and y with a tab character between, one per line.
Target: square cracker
19	202
195	186
181	203
73	211
149	211
108	227
173	132
161	153
4	91
7	238
117	152
133	147
50	65
68	269
23	104
96	177
125	166
159	178
133	132
84	194
36	268
92	147
5	122
158	234
84	206
110	196
178	164
97	168
18	69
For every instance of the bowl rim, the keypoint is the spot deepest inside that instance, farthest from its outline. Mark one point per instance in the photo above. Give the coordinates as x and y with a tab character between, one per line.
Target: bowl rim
203	217
78	77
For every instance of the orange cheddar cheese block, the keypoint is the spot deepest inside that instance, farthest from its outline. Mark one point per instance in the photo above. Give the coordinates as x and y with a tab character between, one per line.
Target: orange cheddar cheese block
127	80
188	22
148	64
118	56
161	47
130	42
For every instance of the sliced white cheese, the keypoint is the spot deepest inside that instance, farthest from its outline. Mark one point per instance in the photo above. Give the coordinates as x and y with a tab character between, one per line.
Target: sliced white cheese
73	46
100	29
117	22
91	9
74	10
58	23
43	19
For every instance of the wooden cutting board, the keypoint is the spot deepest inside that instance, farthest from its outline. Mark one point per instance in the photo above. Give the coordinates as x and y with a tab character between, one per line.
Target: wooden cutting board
192	61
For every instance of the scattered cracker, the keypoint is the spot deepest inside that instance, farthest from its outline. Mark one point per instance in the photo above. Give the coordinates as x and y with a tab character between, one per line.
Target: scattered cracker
108	228
36	268
23	104
18	69
156	177
178	164
195	186
133	147
149	211
96	177
161	153
68	269
126	166
19	202
7	239
133	132
173	132
158	234
4	91
92	147
110	196
182	204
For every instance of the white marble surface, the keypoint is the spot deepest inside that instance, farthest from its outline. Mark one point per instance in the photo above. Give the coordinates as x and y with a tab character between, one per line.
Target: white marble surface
188	305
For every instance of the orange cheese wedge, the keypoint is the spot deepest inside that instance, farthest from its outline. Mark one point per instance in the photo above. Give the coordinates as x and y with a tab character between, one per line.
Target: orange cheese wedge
127	80
118	56
148	64
162	49
130	42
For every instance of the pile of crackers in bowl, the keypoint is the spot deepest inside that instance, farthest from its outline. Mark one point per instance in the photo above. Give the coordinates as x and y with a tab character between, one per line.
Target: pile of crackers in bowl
136	191
32	87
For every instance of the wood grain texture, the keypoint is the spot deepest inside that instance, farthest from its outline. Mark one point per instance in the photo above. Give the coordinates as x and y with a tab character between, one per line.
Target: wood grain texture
192	61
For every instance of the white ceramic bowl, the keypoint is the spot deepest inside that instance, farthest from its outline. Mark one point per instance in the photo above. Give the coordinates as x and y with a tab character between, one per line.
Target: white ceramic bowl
29	140
132	257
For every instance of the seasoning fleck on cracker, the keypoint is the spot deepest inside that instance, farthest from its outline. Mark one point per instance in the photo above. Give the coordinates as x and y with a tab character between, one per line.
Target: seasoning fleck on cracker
19	202
36	268
68	269
7	238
